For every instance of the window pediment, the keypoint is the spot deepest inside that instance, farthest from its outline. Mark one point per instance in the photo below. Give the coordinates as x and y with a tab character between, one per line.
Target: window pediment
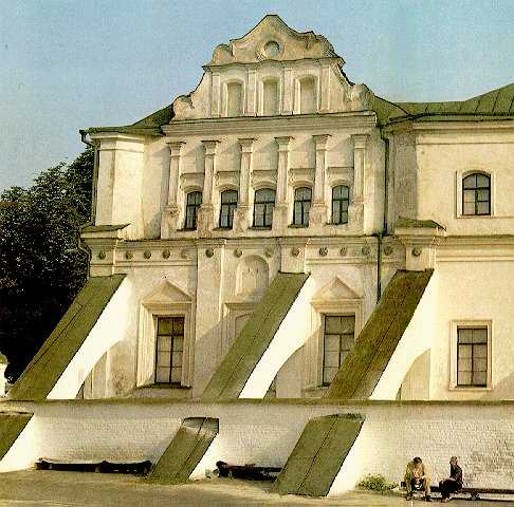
167	293
336	290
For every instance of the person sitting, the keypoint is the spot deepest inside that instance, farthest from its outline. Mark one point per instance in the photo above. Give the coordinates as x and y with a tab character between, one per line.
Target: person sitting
453	483
417	479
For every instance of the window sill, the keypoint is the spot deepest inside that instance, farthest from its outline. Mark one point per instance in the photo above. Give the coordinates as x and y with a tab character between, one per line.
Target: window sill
223	229
164	386
470	389
261	228
296	226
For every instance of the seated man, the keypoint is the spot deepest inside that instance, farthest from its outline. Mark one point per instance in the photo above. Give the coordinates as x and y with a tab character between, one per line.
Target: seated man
416	479
453	483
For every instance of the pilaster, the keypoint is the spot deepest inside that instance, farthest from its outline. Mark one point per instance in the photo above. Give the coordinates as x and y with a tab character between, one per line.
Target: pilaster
280	218
206	217
356	208
318	213
242	216
171	212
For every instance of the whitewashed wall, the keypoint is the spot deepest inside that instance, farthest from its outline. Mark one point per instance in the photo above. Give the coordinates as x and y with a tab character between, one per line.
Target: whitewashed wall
481	434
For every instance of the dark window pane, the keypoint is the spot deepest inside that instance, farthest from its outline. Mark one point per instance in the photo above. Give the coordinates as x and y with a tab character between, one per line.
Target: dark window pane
164	326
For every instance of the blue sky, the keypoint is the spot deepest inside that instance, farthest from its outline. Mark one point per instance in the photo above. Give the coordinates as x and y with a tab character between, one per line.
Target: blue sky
66	65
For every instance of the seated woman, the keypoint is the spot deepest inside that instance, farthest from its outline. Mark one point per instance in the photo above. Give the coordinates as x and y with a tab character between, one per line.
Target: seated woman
453	483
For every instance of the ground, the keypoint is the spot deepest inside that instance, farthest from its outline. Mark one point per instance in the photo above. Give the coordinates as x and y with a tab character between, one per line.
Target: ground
63	489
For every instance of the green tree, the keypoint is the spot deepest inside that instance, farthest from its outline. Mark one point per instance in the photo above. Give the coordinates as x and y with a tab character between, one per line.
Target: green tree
41	265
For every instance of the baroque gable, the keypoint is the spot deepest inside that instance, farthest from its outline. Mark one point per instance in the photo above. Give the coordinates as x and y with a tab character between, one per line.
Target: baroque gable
273	71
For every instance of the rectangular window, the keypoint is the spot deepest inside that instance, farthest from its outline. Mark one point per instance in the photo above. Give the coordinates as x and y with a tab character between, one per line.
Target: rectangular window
338	337
472	360
169	350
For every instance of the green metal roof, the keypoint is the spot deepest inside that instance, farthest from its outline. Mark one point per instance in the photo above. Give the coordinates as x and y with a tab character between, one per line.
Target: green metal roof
150	125
185	450
363	366
55	354
492	105
11	426
318	455
236	367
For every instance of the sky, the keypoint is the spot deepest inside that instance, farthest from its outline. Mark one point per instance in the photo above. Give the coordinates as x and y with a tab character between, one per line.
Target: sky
72	64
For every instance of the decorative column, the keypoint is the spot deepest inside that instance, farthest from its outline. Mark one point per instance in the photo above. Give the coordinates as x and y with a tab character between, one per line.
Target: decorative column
171	212
243	212
318	214
280	214
206	219
356	208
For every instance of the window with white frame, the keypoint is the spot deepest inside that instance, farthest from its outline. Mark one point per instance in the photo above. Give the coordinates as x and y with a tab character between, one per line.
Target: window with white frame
338	339
193	203
263	207
340	203
476	194
227	209
302	206
472	356
169	350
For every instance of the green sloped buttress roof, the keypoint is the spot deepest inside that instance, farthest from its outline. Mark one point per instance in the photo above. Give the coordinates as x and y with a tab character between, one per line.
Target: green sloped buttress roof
11	426
58	350
363	366
318	455
185	450
236	367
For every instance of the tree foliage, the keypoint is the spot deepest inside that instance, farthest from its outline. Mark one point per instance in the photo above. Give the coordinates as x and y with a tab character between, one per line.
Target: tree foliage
41	265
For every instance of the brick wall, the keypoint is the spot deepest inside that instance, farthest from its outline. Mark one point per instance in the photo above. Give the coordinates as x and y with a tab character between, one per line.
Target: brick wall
480	433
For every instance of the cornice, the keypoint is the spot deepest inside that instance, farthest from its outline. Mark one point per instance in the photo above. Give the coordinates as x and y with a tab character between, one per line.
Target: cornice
253	124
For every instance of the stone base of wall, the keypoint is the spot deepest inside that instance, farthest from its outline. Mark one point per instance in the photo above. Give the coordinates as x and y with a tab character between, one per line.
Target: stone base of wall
481	434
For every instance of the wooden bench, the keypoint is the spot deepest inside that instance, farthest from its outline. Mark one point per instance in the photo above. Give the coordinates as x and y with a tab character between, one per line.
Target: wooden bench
475	492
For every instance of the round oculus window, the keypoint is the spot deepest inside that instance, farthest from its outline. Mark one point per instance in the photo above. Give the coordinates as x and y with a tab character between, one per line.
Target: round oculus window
271	49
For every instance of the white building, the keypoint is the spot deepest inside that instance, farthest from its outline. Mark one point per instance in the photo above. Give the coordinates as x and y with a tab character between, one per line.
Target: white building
243	235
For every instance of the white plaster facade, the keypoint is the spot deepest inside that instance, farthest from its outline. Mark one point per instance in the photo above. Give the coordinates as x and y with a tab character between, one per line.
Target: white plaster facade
274	110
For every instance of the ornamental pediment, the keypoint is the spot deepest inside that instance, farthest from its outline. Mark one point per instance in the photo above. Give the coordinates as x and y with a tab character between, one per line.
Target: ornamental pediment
272	39
336	290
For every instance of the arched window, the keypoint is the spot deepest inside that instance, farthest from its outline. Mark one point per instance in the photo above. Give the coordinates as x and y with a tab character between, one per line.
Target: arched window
263	207
307	95
476	194
228	206
302	206
340	202
234	99
270	97
193	202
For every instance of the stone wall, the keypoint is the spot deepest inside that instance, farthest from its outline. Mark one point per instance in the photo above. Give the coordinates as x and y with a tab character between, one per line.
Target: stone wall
480	433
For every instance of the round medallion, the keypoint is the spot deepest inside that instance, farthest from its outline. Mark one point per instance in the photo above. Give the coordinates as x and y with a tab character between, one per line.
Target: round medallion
416	251
209	252
295	252
147	254
238	252
366	250
323	251
268	252
128	255
166	254
343	251
102	255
